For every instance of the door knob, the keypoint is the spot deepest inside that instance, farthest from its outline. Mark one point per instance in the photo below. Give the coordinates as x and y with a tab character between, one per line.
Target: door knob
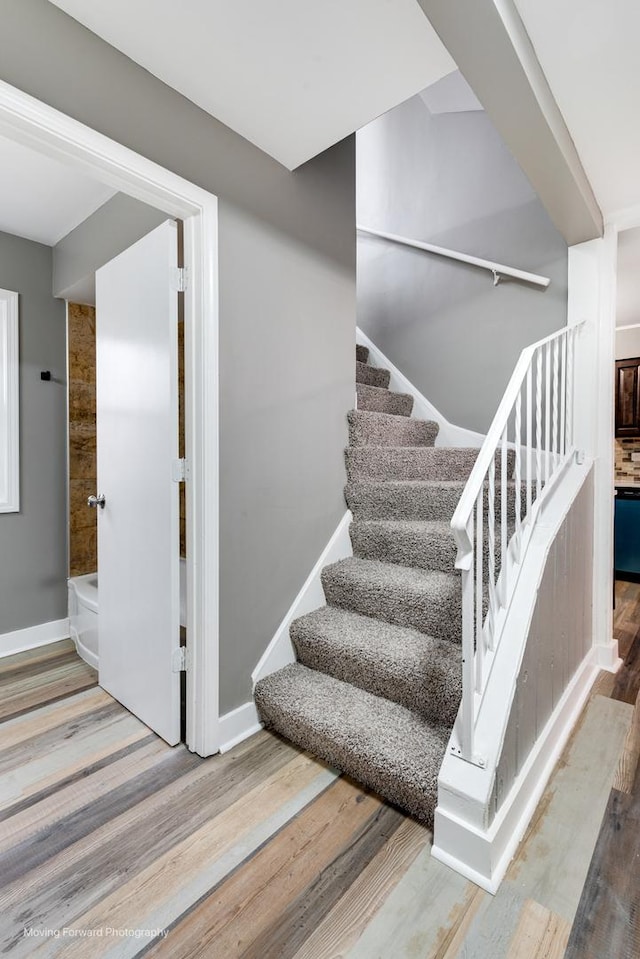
95	501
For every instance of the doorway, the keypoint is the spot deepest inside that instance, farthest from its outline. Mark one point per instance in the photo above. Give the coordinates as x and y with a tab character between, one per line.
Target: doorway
34	124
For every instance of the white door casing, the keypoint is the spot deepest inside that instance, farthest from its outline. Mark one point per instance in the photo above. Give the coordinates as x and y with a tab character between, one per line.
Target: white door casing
36	124
138	527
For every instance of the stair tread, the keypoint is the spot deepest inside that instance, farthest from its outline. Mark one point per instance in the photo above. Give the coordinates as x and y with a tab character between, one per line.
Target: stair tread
401	664
424	599
373	571
378	428
382	744
372	375
362	353
377	398
407	525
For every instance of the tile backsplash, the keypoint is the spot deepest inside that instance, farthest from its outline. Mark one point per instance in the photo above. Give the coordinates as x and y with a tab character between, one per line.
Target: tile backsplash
625	470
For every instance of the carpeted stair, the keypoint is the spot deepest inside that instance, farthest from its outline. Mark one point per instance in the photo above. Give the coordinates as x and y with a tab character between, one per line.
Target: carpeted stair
377	684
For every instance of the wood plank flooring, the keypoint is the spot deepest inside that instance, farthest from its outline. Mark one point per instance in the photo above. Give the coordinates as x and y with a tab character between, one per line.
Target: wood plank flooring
113	844
626	629
607	921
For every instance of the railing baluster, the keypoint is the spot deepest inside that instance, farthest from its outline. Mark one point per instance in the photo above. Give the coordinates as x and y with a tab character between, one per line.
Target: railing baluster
518	473
570	362
538	423
479	590
504	566
491	558
528	467
563	398
554	408
547	413
468	664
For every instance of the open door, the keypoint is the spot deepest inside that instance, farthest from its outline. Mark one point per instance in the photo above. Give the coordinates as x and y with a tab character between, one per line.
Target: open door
138	525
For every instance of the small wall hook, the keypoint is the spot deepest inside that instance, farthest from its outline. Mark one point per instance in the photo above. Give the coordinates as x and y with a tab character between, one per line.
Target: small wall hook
45	375
496	277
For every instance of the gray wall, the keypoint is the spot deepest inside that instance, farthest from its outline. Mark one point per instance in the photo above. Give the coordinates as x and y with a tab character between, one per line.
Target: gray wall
560	637
33	542
287	313
116	225
448	179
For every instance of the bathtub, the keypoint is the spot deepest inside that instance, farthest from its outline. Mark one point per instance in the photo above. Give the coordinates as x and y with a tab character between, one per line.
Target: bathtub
83	616
83	612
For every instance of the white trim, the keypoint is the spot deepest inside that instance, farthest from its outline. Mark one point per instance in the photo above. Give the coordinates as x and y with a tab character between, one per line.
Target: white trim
484	856
9	404
238	725
592	291
35	124
280	652
31	637
629	326
499	270
448	435
607	656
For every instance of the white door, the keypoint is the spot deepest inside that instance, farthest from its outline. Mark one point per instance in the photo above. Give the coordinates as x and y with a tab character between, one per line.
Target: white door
138	527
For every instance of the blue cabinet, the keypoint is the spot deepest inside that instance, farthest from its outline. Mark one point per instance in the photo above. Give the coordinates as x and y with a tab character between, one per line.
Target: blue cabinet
627	533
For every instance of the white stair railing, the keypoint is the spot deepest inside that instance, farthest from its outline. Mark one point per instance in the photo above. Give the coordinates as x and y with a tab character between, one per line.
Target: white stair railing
533	430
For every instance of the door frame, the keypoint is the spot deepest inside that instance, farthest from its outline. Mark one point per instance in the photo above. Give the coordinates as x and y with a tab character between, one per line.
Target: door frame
41	127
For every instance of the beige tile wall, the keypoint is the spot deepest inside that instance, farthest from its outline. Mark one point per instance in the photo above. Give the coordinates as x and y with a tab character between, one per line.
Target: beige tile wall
83	556
625	470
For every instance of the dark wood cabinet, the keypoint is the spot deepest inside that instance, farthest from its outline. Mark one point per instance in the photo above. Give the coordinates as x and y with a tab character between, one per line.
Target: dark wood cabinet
628	397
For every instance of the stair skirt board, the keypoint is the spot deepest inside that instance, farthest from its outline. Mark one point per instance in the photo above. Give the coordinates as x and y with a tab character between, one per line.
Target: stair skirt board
365	670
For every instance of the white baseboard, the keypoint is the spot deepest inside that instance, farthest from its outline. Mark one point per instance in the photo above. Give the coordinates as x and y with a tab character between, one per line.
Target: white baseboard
280	653
20	640
484	856
238	725
448	434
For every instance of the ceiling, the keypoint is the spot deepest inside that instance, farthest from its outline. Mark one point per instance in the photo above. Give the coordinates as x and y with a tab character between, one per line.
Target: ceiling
41	199
291	76
452	94
588	50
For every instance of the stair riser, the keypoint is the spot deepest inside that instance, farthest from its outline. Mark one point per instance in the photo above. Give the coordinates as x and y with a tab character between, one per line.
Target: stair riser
433	691
362	353
437	551
389	501
440	617
383	401
376	429
371	501
372	376
376	463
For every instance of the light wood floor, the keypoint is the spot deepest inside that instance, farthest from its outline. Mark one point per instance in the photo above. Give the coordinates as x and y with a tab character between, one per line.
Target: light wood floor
113	844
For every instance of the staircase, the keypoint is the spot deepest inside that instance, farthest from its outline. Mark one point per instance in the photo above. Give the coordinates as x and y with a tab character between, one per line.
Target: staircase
377	684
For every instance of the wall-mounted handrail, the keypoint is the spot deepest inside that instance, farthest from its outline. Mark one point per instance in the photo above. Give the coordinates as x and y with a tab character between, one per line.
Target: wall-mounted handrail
498	270
530	442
